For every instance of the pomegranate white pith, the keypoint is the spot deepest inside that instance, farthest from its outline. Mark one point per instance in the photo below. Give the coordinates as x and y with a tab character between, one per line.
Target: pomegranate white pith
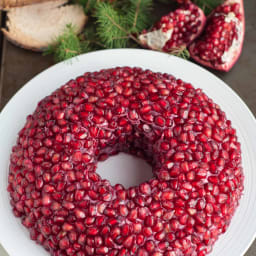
156	39
193	149
178	28
220	45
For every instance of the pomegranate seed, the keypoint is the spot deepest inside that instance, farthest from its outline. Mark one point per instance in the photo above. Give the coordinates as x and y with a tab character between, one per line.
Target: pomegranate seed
128	241
145	189
160	121
46	200
168	195
64	243
79	214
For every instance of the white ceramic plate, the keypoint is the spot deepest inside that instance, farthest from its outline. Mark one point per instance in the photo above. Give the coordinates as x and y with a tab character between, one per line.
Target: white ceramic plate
241	232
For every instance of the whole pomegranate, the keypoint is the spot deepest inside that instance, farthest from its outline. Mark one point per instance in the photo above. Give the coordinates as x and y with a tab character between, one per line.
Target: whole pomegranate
221	43
178	28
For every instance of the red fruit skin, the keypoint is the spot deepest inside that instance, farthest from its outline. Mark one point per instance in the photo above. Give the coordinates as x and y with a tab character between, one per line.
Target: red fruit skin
174	20
226	66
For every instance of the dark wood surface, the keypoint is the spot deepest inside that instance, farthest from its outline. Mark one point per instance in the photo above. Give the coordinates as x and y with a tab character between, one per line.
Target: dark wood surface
18	66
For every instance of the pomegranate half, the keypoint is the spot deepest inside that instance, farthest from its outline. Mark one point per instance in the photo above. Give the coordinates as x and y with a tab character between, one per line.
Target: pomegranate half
176	29
221	44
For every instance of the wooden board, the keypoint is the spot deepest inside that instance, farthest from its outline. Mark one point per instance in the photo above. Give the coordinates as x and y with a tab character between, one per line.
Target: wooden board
18	67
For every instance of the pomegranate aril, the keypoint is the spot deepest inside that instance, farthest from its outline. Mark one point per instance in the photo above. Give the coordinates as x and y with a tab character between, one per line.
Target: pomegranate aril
150	246
64	243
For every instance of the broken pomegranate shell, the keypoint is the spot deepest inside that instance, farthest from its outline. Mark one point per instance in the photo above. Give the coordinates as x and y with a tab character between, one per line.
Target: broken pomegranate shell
177	29
221	43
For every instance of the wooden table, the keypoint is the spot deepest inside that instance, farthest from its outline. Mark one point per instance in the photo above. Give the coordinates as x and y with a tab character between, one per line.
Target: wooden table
19	66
